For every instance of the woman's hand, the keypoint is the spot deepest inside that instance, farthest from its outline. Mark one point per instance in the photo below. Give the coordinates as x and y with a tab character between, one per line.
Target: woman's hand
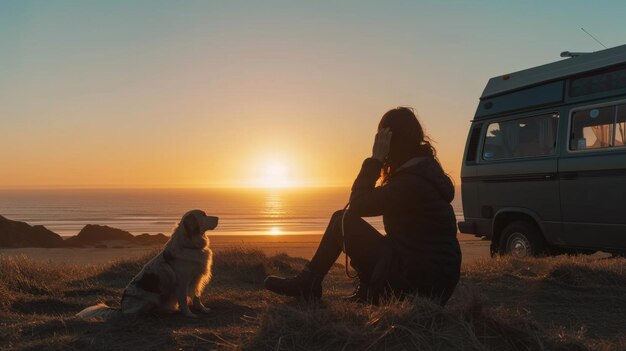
381	144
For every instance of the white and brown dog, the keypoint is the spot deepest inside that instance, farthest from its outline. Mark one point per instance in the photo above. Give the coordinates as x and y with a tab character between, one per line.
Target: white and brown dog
175	278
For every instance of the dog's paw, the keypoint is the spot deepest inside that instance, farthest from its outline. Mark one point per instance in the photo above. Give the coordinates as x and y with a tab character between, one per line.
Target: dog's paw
203	309
198	306
190	314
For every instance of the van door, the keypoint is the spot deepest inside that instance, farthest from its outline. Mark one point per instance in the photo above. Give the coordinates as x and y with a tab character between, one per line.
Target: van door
592	176
518	170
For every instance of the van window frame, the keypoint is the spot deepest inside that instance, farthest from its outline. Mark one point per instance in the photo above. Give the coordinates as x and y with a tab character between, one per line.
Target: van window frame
488	122
587	107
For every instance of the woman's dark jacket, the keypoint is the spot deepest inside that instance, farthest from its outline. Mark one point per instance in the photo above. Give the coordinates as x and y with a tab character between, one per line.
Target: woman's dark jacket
416	210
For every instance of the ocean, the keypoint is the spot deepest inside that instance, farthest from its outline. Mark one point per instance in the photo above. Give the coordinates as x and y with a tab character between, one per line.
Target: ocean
241	211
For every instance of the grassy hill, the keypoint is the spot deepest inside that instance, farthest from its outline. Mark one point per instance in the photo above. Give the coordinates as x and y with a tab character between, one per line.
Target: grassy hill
563	303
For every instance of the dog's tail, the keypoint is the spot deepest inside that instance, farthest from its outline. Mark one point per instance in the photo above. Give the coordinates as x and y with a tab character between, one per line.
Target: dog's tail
98	311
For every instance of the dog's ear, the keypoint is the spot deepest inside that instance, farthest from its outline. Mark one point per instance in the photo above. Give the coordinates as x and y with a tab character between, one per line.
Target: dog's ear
191	225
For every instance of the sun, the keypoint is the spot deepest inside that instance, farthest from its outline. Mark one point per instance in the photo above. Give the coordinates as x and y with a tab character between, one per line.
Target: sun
275	175
275	170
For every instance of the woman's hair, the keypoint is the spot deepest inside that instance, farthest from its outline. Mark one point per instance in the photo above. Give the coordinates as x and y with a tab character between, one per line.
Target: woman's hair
407	140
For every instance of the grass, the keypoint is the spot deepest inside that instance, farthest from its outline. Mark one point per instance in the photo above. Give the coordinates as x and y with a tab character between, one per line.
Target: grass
562	303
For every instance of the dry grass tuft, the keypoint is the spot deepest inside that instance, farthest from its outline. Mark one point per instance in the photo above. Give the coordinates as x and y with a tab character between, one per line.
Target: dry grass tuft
562	303
395	325
591	274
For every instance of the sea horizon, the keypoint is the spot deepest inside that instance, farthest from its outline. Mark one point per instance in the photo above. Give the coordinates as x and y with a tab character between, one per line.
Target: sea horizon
242	211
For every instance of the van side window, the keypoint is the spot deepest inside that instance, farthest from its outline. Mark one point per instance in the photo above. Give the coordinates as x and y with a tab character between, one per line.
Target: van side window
620	126
592	128
598	82
472	149
526	137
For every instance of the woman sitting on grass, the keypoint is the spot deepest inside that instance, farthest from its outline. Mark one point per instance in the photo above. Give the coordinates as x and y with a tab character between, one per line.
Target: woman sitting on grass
420	253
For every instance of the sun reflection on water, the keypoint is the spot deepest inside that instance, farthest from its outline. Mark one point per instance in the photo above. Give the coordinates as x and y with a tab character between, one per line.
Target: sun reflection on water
275	231
274	205
274	209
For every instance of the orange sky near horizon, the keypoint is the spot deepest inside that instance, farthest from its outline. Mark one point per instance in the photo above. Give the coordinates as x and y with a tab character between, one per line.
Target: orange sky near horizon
210	94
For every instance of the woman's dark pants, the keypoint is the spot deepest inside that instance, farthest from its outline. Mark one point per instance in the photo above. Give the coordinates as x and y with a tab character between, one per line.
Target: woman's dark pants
369	251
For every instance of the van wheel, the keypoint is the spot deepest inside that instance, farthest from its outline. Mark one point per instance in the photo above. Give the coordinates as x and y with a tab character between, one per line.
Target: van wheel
522	239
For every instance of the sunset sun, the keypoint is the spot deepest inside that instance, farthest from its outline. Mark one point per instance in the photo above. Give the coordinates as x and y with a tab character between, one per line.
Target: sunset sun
275	175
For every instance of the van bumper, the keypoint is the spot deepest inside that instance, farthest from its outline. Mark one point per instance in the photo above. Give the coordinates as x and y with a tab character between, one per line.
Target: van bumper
478	226
467	227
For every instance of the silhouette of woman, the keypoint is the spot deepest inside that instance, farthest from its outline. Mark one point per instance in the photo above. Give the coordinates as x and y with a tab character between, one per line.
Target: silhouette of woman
420	253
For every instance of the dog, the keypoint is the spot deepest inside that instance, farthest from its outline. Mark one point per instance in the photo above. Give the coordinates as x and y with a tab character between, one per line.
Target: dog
173	279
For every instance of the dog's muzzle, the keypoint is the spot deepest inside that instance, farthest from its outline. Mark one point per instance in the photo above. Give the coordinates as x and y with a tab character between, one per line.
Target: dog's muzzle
209	222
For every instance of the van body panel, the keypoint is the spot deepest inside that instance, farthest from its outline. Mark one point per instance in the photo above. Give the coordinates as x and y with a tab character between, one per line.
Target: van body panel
469	191
593	198
471	199
530	184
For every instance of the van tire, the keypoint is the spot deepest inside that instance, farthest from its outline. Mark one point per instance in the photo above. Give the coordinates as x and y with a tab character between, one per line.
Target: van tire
522	239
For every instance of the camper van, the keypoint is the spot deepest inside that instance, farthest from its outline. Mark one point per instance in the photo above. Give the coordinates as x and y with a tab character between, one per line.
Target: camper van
544	168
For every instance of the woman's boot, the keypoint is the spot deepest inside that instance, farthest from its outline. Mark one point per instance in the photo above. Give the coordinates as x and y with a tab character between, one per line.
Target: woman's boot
306	284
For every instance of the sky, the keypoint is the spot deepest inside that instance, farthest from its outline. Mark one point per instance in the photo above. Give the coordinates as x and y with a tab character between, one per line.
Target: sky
255	93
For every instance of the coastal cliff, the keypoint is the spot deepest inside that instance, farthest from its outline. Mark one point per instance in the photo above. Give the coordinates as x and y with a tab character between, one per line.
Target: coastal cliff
16	234
21	234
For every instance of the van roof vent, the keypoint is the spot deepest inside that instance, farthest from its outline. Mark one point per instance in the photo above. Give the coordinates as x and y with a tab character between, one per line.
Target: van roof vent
573	54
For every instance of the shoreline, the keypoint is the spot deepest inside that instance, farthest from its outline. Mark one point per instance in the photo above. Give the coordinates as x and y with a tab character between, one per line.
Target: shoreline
294	245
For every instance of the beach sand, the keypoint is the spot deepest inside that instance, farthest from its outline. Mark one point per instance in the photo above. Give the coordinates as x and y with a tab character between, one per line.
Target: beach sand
293	245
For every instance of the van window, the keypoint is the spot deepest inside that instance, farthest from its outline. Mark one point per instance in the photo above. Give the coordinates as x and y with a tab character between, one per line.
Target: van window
525	137
592	128
620	126
472	149
598	82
